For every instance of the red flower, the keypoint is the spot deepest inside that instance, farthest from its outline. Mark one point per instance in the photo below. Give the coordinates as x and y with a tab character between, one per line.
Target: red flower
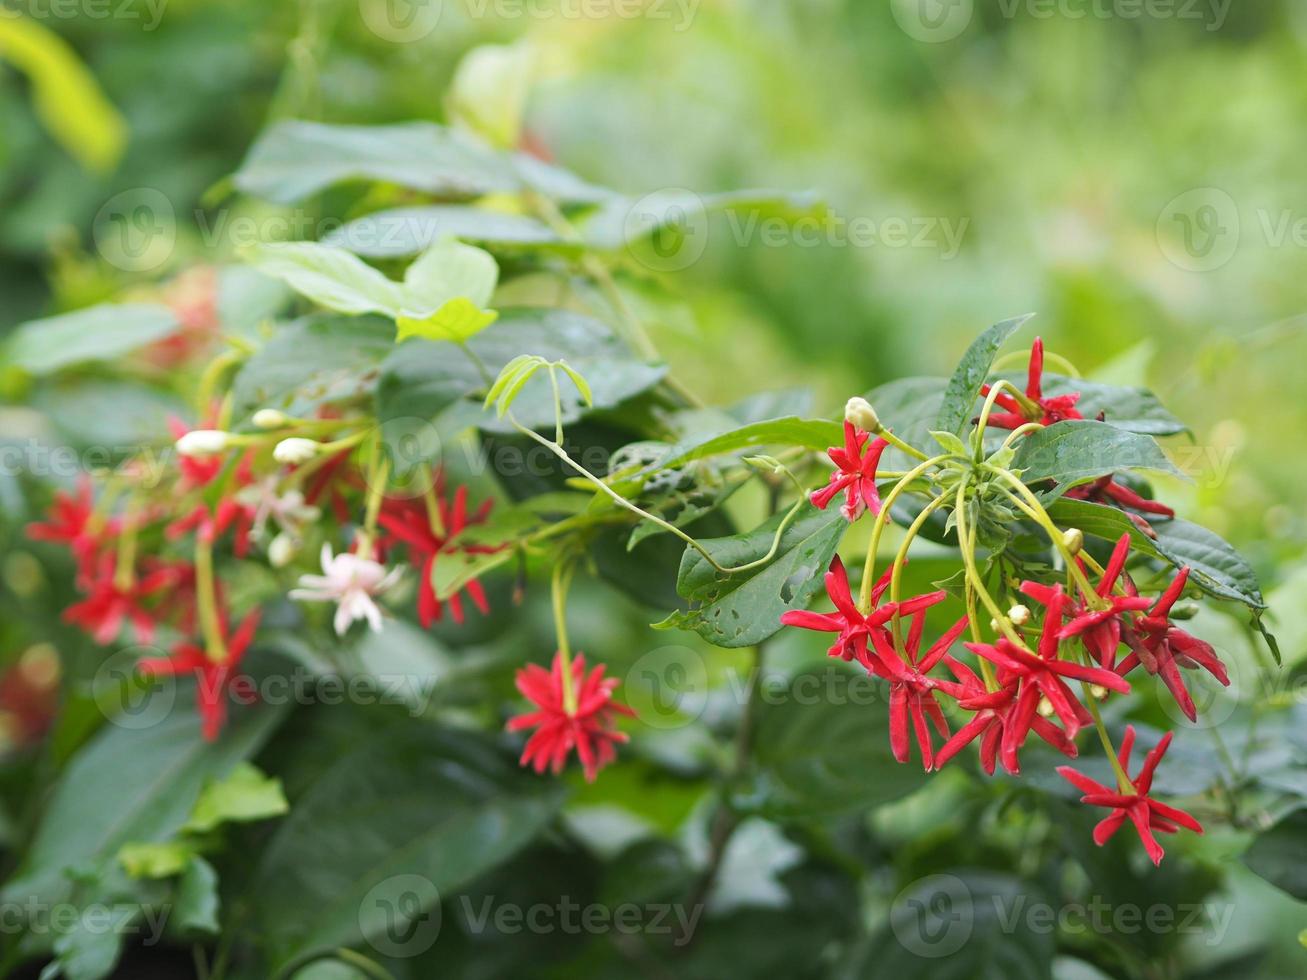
855	629
589	729
1054	409
409	522
214	678
1145	813
107	606
1164	648
912	693
1002	729
1100	628
856	475
73	522
1043	674
1107	491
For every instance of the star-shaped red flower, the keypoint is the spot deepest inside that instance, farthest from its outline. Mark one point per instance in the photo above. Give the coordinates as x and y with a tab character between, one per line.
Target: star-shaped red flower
408	521
912	693
589	729
1044	673
856	475
73	522
1164	648
853	627
1057	408
108	605
215	679
1099	628
1147	814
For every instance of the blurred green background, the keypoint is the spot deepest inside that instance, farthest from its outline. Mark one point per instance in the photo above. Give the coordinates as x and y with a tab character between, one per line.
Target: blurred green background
1130	172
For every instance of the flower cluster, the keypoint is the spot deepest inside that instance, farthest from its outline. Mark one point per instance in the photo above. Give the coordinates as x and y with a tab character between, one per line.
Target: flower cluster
1036	674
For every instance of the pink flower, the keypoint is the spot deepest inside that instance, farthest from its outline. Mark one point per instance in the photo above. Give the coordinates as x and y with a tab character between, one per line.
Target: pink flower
1147	814
350	581
856	475
589	728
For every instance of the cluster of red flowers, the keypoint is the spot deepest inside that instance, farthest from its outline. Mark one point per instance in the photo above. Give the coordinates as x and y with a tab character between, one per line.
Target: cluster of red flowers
1023	683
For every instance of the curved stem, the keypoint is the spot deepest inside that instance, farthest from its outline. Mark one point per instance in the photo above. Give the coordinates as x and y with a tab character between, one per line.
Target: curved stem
878	528
1028	408
900	445
900	560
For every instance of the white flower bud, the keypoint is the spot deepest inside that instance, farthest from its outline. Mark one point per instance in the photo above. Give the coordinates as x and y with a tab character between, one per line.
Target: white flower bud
1074	539
202	442
270	418
860	413
1019	615
295	450
282	550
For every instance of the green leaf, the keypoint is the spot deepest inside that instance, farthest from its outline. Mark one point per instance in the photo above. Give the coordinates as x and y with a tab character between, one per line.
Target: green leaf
401	232
458	320
99	333
195	909
1133	409
744	609
329	276
449	270
453	571
816	434
623	221
964	387
161	860
951	443
245	794
1076	451
131	785
489	90
294	159
1215	566
823	755
312	362
439	806
1280	855
908	407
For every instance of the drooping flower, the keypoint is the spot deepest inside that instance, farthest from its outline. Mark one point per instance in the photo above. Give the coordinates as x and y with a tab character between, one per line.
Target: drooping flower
1056	408
912	692
1043	674
73	522
1147	814
856	474
215	679
1100	628
350	581
1163	648
1107	490
847	620
110	601
589	728
410	523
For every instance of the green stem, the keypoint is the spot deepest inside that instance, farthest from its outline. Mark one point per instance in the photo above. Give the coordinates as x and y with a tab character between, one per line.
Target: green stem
900	560
882	519
206	596
560	581
1028	408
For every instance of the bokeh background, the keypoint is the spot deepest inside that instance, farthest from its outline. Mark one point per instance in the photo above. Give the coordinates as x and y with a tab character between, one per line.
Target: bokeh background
1131	172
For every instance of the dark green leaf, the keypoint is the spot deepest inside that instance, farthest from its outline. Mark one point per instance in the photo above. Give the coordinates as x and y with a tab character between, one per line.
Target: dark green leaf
1133	409
1075	452
99	333
909	407
196	907
964	387
744	609
810	433
1280	855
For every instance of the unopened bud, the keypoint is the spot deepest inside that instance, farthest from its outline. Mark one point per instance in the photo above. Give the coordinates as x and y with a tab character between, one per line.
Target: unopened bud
295	451
1074	539
1045	708
282	550
1019	615
861	414
270	418
1098	691
202	442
